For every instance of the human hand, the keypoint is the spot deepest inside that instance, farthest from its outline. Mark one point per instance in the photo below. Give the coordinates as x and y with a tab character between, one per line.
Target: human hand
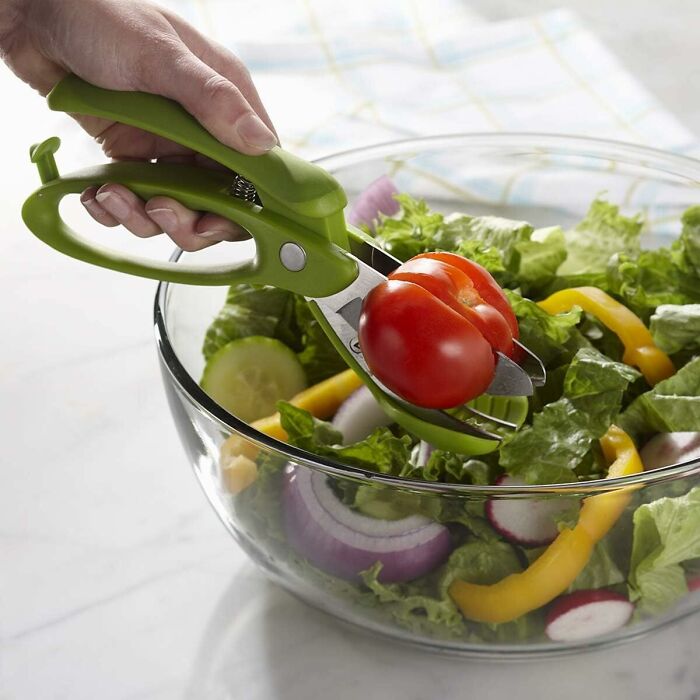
133	45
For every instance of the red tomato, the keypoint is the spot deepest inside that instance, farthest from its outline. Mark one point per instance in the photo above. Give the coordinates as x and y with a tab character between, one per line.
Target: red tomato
483	282
430	331
420	348
454	288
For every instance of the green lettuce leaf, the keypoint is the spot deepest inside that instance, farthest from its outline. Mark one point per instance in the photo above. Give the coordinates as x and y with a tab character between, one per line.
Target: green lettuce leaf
425	605
539	258
512	251
662	276
412	231
603	233
666	534
689	241
601	571
452	468
673	405
480	562
392	504
544	334
652	278
490	232
258	507
415	605
250	310
564	432
676	327
381	451
316	353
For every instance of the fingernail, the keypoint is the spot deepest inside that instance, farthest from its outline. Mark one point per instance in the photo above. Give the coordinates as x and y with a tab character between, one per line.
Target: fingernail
114	204
91	205
212	233
165	218
254	132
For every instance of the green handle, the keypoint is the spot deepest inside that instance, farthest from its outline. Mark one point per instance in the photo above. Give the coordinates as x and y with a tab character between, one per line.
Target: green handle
301	203
326	270
287	184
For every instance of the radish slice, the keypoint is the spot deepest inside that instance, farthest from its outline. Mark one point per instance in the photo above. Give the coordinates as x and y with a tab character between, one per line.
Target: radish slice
359	415
693	582
377	199
586	614
666	449
528	522
343	542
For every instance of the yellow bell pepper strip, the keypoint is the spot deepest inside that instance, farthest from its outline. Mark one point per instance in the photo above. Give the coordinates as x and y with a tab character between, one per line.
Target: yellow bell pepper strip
563	560
237	455
640	349
599	513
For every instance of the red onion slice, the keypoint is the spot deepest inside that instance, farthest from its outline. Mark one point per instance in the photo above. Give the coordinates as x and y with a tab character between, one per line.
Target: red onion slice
425	449
359	415
344	542
377	199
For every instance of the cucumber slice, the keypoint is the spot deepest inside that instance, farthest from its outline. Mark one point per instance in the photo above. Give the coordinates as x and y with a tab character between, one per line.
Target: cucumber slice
249	376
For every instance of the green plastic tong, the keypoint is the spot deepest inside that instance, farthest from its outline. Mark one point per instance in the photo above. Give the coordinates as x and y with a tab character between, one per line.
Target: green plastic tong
293	209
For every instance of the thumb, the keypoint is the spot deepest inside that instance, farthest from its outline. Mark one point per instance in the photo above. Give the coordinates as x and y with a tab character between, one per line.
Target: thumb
216	103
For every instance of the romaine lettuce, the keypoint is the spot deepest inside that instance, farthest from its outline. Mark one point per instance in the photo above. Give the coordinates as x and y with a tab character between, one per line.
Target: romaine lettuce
561	435
274	313
673	405
666	534
603	233
676	327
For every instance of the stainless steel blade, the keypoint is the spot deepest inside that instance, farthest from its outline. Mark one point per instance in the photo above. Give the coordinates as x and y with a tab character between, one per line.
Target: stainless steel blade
510	379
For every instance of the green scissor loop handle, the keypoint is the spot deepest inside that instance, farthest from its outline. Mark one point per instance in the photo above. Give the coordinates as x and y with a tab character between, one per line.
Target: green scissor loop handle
301	203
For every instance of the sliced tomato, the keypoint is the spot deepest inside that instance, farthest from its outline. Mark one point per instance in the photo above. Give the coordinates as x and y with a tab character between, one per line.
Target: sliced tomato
454	288
430	332
421	348
484	283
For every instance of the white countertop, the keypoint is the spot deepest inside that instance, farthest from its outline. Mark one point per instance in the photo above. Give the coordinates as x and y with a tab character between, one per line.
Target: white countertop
116	579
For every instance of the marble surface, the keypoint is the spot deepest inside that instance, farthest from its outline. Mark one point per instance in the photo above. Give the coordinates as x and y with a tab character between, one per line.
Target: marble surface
116	579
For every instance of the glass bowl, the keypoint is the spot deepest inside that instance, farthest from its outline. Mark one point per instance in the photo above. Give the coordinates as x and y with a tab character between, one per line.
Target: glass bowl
546	180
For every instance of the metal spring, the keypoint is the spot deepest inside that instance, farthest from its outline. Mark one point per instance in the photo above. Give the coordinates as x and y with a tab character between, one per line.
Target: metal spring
244	189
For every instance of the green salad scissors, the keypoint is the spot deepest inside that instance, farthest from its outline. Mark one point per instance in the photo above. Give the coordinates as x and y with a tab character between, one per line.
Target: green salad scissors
293	209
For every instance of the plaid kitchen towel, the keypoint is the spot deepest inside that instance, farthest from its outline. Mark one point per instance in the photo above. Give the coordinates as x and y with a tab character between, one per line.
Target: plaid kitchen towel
338	75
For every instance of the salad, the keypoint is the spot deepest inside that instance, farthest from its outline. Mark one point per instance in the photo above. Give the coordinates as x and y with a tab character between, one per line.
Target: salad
494	570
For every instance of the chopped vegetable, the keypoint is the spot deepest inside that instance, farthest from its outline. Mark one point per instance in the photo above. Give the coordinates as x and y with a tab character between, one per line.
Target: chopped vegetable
586	614
513	562
666	449
673	405
676	327
530	522
640	350
430	331
666	534
359	416
554	446
563	560
378	198
249	376
321	400
344	542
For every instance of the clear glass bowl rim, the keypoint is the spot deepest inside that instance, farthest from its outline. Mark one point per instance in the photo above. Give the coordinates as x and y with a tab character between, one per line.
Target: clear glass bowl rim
528	142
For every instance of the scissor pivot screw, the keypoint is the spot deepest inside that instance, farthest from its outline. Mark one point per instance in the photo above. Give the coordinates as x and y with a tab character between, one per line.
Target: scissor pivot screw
293	257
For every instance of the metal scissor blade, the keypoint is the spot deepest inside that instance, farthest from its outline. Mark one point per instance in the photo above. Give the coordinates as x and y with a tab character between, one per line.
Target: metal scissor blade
372	255
342	309
510	379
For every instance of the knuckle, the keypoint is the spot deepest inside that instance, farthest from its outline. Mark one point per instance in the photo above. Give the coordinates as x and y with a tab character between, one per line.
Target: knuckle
217	88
